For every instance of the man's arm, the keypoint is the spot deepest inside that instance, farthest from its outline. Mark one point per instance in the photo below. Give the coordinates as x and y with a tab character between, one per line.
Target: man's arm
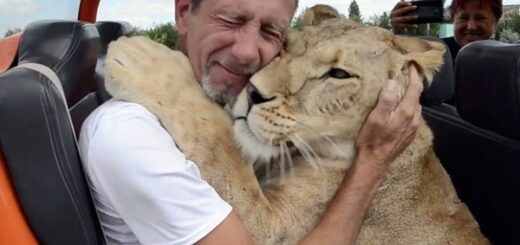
388	130
230	231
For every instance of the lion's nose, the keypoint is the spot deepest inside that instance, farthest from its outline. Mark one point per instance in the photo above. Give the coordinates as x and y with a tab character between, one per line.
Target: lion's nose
255	97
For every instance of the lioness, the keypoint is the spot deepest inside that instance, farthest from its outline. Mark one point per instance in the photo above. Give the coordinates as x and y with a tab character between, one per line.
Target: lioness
313	98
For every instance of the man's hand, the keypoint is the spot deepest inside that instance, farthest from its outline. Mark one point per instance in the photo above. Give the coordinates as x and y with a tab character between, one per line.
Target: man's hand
387	131
398	19
391	125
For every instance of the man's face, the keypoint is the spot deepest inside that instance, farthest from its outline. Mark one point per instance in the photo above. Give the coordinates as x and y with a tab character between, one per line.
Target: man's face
228	40
474	21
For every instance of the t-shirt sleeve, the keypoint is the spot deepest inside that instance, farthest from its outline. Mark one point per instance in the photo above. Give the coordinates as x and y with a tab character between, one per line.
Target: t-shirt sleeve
155	189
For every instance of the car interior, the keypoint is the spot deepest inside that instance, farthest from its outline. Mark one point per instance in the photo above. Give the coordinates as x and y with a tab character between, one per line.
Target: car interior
56	80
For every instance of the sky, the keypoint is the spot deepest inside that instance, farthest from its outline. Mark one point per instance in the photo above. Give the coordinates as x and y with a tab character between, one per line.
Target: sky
159	11
17	13
144	13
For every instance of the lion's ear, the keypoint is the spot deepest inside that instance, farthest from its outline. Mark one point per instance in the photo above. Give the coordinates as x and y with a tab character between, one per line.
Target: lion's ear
317	14
426	55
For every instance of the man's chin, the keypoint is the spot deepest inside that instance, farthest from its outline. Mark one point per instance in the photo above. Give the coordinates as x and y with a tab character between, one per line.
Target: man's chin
221	95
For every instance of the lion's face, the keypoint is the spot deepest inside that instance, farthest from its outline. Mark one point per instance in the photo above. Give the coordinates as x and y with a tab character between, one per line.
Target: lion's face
324	86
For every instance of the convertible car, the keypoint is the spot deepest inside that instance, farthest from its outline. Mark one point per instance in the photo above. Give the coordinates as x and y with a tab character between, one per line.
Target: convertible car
51	78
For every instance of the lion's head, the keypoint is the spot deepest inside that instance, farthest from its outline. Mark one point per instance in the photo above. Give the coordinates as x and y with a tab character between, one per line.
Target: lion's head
324	85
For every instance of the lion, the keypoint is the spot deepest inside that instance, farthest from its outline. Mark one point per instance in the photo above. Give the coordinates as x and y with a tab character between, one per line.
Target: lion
298	120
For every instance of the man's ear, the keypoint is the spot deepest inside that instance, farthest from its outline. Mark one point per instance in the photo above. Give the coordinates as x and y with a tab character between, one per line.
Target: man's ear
427	56
317	14
182	13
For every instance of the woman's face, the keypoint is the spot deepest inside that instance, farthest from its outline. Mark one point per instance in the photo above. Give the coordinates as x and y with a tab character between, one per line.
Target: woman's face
474	21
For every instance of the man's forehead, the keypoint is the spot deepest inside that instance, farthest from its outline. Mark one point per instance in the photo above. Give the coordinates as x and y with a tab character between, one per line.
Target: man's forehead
253	10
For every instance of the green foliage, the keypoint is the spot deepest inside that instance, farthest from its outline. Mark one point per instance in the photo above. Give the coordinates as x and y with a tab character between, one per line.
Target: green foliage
508	27
509	36
163	33
431	29
12	31
298	19
382	21
354	12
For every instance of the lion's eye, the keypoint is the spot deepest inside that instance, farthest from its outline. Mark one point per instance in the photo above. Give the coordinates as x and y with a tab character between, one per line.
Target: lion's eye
338	74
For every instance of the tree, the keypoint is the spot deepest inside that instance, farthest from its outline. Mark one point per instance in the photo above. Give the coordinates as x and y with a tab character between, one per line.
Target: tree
431	29
163	33
353	12
12	31
513	24
298	19
508	35
382	21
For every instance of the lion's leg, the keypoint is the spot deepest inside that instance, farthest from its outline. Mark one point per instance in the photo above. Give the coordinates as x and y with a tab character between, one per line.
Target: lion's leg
161	80
281	215
444	204
418	204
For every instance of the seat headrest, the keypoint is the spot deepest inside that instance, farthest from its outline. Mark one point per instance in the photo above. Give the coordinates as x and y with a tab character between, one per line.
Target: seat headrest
110	31
69	48
488	86
442	88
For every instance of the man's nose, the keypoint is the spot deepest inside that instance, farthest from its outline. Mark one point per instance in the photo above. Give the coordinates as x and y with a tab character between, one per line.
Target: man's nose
246	48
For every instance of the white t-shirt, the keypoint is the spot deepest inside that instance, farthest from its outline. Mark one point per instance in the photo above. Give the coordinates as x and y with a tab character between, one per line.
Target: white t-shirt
144	188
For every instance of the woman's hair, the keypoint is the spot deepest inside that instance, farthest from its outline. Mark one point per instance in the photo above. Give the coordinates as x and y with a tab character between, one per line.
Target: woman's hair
494	5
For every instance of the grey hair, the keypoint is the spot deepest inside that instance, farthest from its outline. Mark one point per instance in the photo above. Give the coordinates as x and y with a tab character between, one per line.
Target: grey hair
196	5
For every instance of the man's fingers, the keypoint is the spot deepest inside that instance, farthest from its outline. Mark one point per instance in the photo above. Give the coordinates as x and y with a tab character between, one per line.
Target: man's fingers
405	19
413	124
388	99
417	117
414	90
402	11
400	5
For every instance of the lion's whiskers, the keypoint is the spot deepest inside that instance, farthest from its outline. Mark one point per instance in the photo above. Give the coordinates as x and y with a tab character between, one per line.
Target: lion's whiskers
282	162
285	159
289	158
307	152
326	137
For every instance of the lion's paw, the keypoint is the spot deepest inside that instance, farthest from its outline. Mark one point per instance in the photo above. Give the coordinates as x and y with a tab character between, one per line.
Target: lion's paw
140	65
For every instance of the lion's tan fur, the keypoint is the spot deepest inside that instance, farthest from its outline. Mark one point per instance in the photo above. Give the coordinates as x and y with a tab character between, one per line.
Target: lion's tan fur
416	204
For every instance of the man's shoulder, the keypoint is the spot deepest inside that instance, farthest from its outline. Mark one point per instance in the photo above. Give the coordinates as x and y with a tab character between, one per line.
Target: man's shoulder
115	109
117	121
117	112
120	130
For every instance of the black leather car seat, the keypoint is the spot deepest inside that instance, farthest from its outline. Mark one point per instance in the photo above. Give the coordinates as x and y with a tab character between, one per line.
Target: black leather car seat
442	87
489	92
108	31
55	72
481	148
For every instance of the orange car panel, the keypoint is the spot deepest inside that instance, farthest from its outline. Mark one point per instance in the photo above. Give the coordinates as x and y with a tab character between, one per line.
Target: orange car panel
15	229
88	10
8	49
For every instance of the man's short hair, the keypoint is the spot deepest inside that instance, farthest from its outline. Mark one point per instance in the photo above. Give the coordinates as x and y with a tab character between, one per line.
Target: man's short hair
196	5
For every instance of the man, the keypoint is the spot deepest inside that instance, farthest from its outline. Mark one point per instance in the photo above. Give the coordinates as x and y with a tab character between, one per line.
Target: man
146	191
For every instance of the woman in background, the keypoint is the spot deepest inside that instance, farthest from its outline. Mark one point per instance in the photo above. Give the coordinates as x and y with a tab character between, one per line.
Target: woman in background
473	20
